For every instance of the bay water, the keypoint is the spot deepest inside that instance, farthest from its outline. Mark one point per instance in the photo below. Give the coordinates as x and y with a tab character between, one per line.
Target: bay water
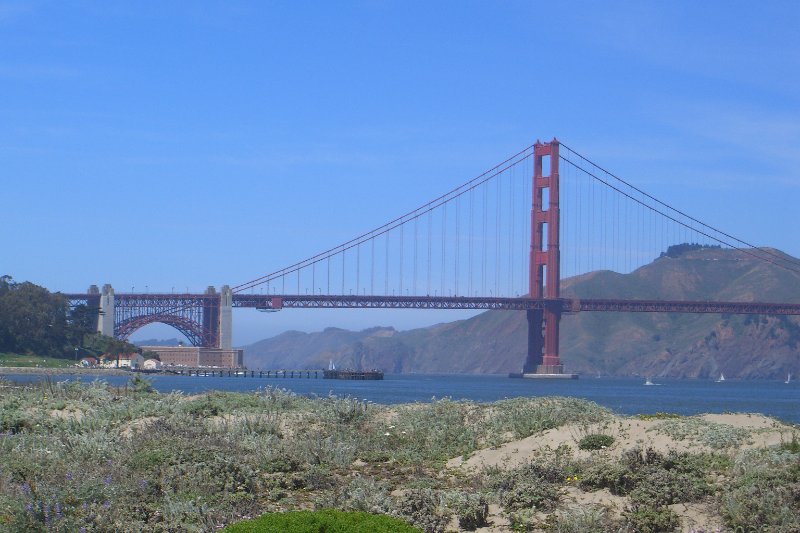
622	395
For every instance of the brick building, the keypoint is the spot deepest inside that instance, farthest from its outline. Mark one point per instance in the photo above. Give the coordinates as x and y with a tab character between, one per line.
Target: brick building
195	356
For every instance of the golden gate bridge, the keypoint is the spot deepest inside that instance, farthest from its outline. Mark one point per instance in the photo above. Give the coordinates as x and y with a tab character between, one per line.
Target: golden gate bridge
503	240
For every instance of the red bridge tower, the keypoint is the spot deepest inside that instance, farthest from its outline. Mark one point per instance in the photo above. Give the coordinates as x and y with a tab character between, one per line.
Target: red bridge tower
544	275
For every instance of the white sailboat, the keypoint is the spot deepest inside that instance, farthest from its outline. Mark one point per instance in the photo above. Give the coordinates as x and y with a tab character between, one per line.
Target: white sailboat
788	378
721	378
648	381
331	366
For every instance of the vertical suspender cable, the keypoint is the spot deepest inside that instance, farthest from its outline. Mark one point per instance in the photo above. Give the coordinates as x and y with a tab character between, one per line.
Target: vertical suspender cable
497	239
485	235
471	239
386	267
430	236
457	245
511	175
444	247
416	220
402	226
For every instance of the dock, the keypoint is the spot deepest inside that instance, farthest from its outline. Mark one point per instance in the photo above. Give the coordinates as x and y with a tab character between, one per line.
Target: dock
353	374
276	374
243	373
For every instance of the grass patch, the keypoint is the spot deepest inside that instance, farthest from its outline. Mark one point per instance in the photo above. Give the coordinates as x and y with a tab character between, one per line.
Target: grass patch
712	434
595	441
33	361
329	521
658	416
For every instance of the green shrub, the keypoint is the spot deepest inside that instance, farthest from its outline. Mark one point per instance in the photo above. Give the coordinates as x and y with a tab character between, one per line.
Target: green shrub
530	494
422	508
650	477
141	385
328	520
360	494
523	520
765	492
13	421
793	446
581	519
595	441
523	417
432	432
659	415
712	434
661	487
471	509
615	477
643	518
532	485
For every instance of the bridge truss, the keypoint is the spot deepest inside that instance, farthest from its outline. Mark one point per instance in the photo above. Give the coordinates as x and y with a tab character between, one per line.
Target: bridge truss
196	316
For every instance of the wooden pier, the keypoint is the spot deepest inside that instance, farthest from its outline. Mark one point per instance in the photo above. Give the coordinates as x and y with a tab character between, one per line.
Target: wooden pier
279	374
242	373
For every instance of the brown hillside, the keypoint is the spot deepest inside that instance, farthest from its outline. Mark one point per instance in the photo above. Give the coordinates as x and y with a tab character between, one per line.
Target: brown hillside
623	344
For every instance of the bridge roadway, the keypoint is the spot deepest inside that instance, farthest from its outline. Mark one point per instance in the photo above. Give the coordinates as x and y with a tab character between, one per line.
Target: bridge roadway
168	302
565	305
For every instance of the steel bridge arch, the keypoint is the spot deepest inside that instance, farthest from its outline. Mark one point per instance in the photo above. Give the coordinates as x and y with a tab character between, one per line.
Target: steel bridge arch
189	328
196	316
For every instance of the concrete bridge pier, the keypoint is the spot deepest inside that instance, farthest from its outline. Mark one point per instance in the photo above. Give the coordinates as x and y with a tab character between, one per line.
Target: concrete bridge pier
225	340
105	320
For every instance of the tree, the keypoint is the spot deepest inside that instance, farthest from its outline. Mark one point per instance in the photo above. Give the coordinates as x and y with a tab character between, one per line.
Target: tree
81	321
150	354
32	320
102	344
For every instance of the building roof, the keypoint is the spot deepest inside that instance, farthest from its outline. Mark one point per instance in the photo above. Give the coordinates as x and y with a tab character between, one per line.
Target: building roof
123	356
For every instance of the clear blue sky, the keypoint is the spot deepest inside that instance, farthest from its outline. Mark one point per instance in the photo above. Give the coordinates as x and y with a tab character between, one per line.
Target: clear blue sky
175	145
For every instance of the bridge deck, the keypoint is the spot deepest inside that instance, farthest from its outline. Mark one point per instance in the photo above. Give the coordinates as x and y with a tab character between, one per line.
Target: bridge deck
565	305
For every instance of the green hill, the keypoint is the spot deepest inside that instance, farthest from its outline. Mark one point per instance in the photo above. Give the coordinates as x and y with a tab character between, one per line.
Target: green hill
620	344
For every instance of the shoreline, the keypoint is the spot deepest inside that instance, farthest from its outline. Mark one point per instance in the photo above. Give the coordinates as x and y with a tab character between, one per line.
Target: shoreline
17	370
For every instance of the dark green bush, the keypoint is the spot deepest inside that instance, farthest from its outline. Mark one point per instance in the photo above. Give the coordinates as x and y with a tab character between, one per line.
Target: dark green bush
532	493
582	519
793	446
643	518
615	477
764	494
421	508
141	385
595	441
327	520
650	477
12	421
533	485
659	487
472	511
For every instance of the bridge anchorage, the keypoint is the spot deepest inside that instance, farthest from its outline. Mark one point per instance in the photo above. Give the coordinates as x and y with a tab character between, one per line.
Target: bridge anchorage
493	243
